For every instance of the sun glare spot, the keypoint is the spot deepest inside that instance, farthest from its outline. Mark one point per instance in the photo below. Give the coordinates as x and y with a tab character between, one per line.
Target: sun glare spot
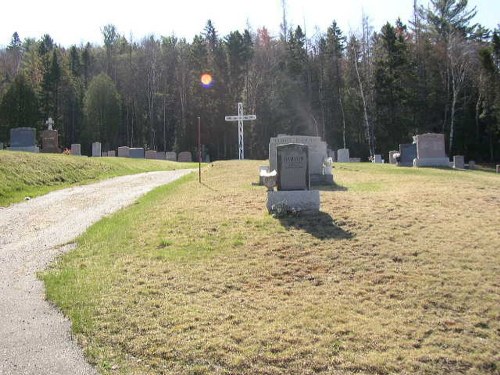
206	80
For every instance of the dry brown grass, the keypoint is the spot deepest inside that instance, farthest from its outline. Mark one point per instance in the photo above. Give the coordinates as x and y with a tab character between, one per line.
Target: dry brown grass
397	274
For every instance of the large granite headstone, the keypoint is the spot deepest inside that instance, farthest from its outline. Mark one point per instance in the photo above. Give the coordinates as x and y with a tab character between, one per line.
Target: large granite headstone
23	139
150	154
185	157
171	155
293	193
112	153
317	150
407	153
293	167
136	153
430	151
343	155
160	155
123	152
96	149
50	141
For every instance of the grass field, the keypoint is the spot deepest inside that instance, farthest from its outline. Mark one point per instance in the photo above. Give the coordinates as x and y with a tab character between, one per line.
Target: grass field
25	174
398	274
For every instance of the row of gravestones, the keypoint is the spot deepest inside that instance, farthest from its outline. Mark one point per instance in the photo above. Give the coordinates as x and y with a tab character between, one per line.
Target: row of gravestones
427	150
24	139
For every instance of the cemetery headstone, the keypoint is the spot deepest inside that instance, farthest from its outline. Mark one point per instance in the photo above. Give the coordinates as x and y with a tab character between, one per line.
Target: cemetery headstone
392	159
76	149
472	164
293	193
1	145
377	158
104	154
23	139
171	155
263	171
150	154
331	154
343	155
407	153
112	153
136	153
430	151
50	141
96	149
354	160
185	157
123	152
160	155
293	167
458	162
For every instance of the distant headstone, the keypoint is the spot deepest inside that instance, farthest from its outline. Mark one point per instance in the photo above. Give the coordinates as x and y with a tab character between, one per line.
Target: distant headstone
160	155
331	154
343	155
407	153
50	141
430	151
472	164
263	171
377	158
1	145
185	157
23	139
96	149
392	159
136	153
104	154
458	162
171	155
354	160
112	153
150	154
76	149
123	152
293	167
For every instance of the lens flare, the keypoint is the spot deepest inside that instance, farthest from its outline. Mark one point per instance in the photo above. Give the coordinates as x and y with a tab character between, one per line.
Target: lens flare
206	80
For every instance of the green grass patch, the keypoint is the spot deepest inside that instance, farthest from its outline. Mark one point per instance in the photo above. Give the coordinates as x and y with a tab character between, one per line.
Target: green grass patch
397	274
29	175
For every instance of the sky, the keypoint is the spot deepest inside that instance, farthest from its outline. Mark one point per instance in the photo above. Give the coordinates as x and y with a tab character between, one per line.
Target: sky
70	22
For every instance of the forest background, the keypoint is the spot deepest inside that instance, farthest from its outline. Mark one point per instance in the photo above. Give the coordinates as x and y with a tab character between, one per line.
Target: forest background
367	91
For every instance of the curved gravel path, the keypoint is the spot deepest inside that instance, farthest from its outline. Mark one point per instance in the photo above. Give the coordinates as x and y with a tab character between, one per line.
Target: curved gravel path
35	338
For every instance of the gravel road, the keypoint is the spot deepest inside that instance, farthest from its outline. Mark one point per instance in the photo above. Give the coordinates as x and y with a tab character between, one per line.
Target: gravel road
35	338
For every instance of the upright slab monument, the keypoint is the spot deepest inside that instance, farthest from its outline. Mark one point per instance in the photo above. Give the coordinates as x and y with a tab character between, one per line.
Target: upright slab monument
317	154
185	157
343	155
50	141
392	159
1	145
293	193
76	149
171	155
458	162
96	150
136	153
150	154
123	151
430	151
407	153
23	139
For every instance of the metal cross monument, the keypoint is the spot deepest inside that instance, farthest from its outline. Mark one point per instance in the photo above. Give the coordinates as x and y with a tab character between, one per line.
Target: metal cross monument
240	118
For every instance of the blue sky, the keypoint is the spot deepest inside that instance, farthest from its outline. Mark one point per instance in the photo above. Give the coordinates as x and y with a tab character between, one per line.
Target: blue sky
70	23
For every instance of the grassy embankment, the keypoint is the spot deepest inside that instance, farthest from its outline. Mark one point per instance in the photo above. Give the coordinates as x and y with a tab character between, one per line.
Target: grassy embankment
30	175
397	274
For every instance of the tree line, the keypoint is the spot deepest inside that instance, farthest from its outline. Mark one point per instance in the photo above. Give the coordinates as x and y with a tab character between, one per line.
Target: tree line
366	91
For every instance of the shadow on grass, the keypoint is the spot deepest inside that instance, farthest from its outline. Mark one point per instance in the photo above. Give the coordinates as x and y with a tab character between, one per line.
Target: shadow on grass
333	187
320	225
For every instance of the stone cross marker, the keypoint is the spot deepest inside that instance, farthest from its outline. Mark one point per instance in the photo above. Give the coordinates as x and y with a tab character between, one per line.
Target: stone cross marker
240	118
49	123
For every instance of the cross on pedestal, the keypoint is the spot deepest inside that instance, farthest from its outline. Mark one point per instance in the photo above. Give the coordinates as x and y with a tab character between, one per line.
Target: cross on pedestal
49	123
240	118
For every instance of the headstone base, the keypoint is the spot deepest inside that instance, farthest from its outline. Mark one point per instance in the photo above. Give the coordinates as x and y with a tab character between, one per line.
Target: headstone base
431	162
321	179
25	149
301	201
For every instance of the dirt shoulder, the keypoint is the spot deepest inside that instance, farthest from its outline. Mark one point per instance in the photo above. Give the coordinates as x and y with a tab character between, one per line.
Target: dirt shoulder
36	338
